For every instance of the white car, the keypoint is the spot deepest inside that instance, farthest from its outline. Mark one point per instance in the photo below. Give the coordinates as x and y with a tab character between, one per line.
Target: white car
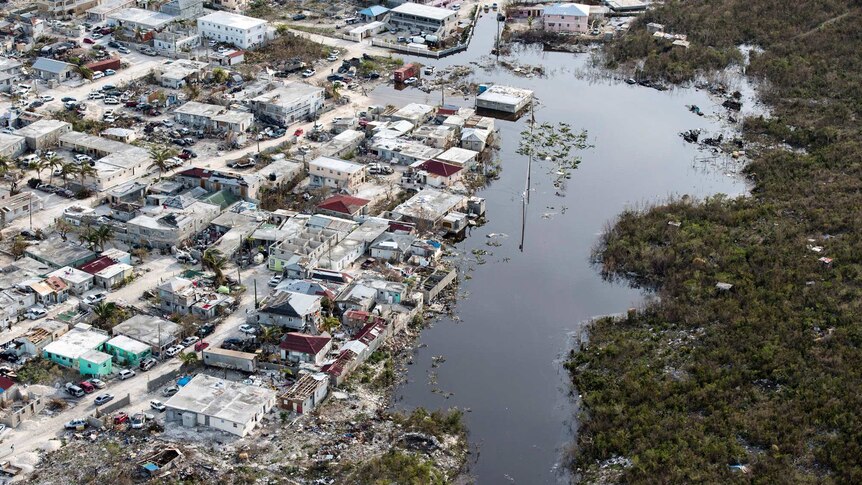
308	73
157	405
174	350
126	374
246	328
96	297
112	100
275	280
123	50
190	340
78	424
35	313
167	123
97	383
83	158
138	420
98	75
46	98
332	58
170	391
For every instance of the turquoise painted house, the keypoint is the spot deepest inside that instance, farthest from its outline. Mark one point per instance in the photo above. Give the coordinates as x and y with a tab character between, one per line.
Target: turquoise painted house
127	351
95	363
80	348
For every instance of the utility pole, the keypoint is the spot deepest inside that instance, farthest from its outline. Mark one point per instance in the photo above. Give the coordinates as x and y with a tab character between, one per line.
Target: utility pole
498	37
31	210
255	295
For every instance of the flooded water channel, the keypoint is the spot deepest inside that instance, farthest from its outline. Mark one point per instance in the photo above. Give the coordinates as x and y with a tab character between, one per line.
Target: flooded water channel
504	350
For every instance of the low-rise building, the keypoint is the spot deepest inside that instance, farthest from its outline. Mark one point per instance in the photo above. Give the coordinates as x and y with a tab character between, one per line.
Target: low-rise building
179	72
138	19
335	173
10	73
392	246
127	351
228	406
185	297
64	9
13	304
112	276
117	162
342	144
19	205
175	220
415	17
156	332
299	348
475	139
288	103
306	393
290	310
230	359
459	156
343	206
429	207
433	173
58	253
78	282
52	69
80	348
566	17
183	9
213	118
100	12
43	134
176	42
11	146
38	337
505	99
400	150
239	30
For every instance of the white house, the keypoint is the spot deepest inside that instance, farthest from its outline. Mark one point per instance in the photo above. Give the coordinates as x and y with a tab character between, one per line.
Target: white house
220	404
239	30
335	173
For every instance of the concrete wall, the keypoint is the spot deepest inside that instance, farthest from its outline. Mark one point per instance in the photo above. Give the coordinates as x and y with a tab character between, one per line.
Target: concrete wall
163	379
113	406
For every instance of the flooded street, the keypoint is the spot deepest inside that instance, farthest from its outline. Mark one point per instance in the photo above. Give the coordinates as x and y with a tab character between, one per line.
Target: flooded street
518	311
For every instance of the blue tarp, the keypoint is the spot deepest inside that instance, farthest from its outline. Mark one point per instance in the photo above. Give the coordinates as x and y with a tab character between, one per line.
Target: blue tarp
182	381
373	11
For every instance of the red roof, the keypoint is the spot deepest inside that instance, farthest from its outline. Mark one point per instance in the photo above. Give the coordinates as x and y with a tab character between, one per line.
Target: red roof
343	204
235	54
439	168
304	343
371	331
6	383
94	267
198	173
336	368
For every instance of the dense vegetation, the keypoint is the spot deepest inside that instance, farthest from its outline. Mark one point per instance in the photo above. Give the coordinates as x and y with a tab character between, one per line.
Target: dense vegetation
766	374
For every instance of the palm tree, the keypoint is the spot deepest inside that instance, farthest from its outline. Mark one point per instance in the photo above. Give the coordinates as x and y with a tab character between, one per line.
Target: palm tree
101	235
52	163
66	170
85	170
270	334
6	164
39	165
7	167
161	155
189	358
105	311
214	261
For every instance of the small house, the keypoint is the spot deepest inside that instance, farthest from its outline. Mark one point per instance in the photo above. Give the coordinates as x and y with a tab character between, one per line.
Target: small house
306	393
127	351
300	348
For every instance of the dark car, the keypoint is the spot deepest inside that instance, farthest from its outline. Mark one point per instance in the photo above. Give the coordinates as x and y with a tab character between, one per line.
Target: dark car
68	99
179	141
88	40
299	16
334	77
205	329
36	104
113	44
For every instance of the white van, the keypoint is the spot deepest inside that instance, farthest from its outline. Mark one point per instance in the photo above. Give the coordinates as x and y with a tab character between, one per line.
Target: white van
26	160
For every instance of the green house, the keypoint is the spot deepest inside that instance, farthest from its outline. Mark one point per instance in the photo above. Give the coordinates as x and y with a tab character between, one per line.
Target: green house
95	363
127	351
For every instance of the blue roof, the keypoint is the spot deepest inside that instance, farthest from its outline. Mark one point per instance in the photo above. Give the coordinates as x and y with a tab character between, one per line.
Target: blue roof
574	9
373	11
151	467
50	65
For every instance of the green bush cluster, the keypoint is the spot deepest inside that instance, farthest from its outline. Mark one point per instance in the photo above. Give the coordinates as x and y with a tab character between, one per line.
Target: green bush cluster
766	374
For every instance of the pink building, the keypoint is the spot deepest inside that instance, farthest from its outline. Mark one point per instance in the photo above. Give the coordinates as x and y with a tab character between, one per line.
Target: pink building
566	17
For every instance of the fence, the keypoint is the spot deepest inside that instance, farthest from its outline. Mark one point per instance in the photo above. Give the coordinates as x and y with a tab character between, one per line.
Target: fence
158	382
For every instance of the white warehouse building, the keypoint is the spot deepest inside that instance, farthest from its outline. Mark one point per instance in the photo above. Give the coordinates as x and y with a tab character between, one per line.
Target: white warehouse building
239	30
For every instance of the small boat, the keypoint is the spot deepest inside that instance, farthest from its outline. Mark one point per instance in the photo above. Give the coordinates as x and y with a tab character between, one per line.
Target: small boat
631	81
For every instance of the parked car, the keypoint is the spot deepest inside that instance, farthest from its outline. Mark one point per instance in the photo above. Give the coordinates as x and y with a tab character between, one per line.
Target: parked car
246	328
95	297
68	99
275	280
87	387
138	420
123	50
126	374
109	72
308	73
121	418
103	398
298	16
170	391
88	40
112	100
189	341
46	98
114	44
77	424
157	405
205	330
148	364
98	383
74	390
200	346
368	263
174	350
35	313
